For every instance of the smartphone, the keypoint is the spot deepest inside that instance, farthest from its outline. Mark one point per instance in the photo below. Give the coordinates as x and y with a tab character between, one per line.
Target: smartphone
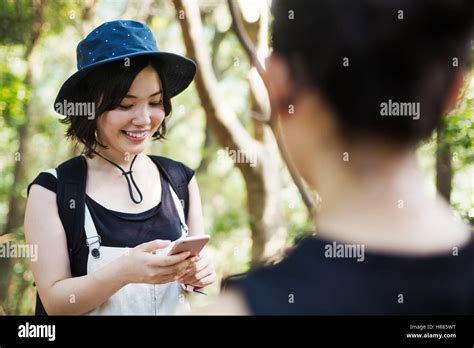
192	244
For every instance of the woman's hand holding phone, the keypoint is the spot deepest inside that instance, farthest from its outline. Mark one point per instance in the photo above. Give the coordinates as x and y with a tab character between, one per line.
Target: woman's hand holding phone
140	265
200	273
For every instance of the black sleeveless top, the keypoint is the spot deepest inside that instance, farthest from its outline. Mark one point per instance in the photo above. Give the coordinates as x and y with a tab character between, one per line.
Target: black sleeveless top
308	282
119	229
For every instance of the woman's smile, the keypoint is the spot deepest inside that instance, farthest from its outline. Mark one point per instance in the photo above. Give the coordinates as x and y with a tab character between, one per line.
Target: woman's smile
136	137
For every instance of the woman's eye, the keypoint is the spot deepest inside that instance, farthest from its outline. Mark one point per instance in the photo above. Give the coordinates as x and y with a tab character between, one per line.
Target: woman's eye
125	107
157	103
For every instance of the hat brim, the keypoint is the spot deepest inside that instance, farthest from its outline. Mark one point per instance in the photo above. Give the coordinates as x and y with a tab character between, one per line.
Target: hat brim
178	71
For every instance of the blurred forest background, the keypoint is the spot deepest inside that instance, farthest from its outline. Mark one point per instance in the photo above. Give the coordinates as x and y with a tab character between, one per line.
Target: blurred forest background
251	211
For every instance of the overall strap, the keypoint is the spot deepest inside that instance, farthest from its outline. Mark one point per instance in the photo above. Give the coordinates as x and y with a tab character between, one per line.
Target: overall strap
180	210
92	237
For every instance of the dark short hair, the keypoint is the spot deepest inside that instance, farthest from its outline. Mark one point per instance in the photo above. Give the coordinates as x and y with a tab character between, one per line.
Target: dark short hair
406	60
106	86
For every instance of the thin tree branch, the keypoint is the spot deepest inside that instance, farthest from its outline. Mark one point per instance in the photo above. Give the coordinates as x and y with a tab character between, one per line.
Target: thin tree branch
243	37
249	48
223	119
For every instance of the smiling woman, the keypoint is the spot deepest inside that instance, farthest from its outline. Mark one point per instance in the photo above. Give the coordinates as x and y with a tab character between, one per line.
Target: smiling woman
115	89
87	209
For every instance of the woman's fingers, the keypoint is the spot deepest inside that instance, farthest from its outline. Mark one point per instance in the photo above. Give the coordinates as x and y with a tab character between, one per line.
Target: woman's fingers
199	265
170	274
204	273
153	245
194	268
176	270
205	281
196	276
169	260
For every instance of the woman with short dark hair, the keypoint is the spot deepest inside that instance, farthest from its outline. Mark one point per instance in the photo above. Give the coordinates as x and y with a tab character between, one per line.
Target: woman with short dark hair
367	80
105	221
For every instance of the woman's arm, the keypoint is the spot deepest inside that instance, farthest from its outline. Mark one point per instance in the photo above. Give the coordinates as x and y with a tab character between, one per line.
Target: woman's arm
195	220
63	295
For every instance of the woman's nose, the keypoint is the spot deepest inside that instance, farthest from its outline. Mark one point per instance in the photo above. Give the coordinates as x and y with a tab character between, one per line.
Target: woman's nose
143	116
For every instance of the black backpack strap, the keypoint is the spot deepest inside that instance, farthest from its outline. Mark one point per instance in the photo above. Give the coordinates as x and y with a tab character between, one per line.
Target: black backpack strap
70	195
176	176
71	192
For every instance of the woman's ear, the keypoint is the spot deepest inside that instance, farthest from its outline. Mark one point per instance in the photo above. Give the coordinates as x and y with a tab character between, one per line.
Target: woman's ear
279	82
455	91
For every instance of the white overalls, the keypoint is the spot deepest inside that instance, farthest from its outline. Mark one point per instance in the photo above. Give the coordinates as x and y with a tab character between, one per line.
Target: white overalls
134	299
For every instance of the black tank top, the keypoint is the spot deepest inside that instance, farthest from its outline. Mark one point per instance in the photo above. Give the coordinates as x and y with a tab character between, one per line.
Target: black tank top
308	282
119	229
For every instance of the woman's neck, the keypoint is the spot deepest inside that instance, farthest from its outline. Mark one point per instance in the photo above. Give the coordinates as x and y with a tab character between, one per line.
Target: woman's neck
384	202
369	181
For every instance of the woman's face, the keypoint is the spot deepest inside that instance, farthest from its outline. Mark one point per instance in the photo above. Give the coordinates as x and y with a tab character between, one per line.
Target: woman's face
127	129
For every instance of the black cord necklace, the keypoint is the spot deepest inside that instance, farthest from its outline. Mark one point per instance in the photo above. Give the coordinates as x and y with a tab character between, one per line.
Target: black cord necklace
130	172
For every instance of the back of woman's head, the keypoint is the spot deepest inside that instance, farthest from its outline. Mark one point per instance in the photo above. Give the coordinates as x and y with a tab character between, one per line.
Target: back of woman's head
361	54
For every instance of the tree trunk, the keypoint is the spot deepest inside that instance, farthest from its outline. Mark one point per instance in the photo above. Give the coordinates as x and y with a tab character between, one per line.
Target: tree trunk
16	204
253	38
261	178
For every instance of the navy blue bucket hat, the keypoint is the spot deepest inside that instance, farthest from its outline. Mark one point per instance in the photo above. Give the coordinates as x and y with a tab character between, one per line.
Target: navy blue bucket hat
120	39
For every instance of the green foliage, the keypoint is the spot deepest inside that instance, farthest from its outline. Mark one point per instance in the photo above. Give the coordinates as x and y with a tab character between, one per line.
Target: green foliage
460	130
16	18
61	13
13	96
